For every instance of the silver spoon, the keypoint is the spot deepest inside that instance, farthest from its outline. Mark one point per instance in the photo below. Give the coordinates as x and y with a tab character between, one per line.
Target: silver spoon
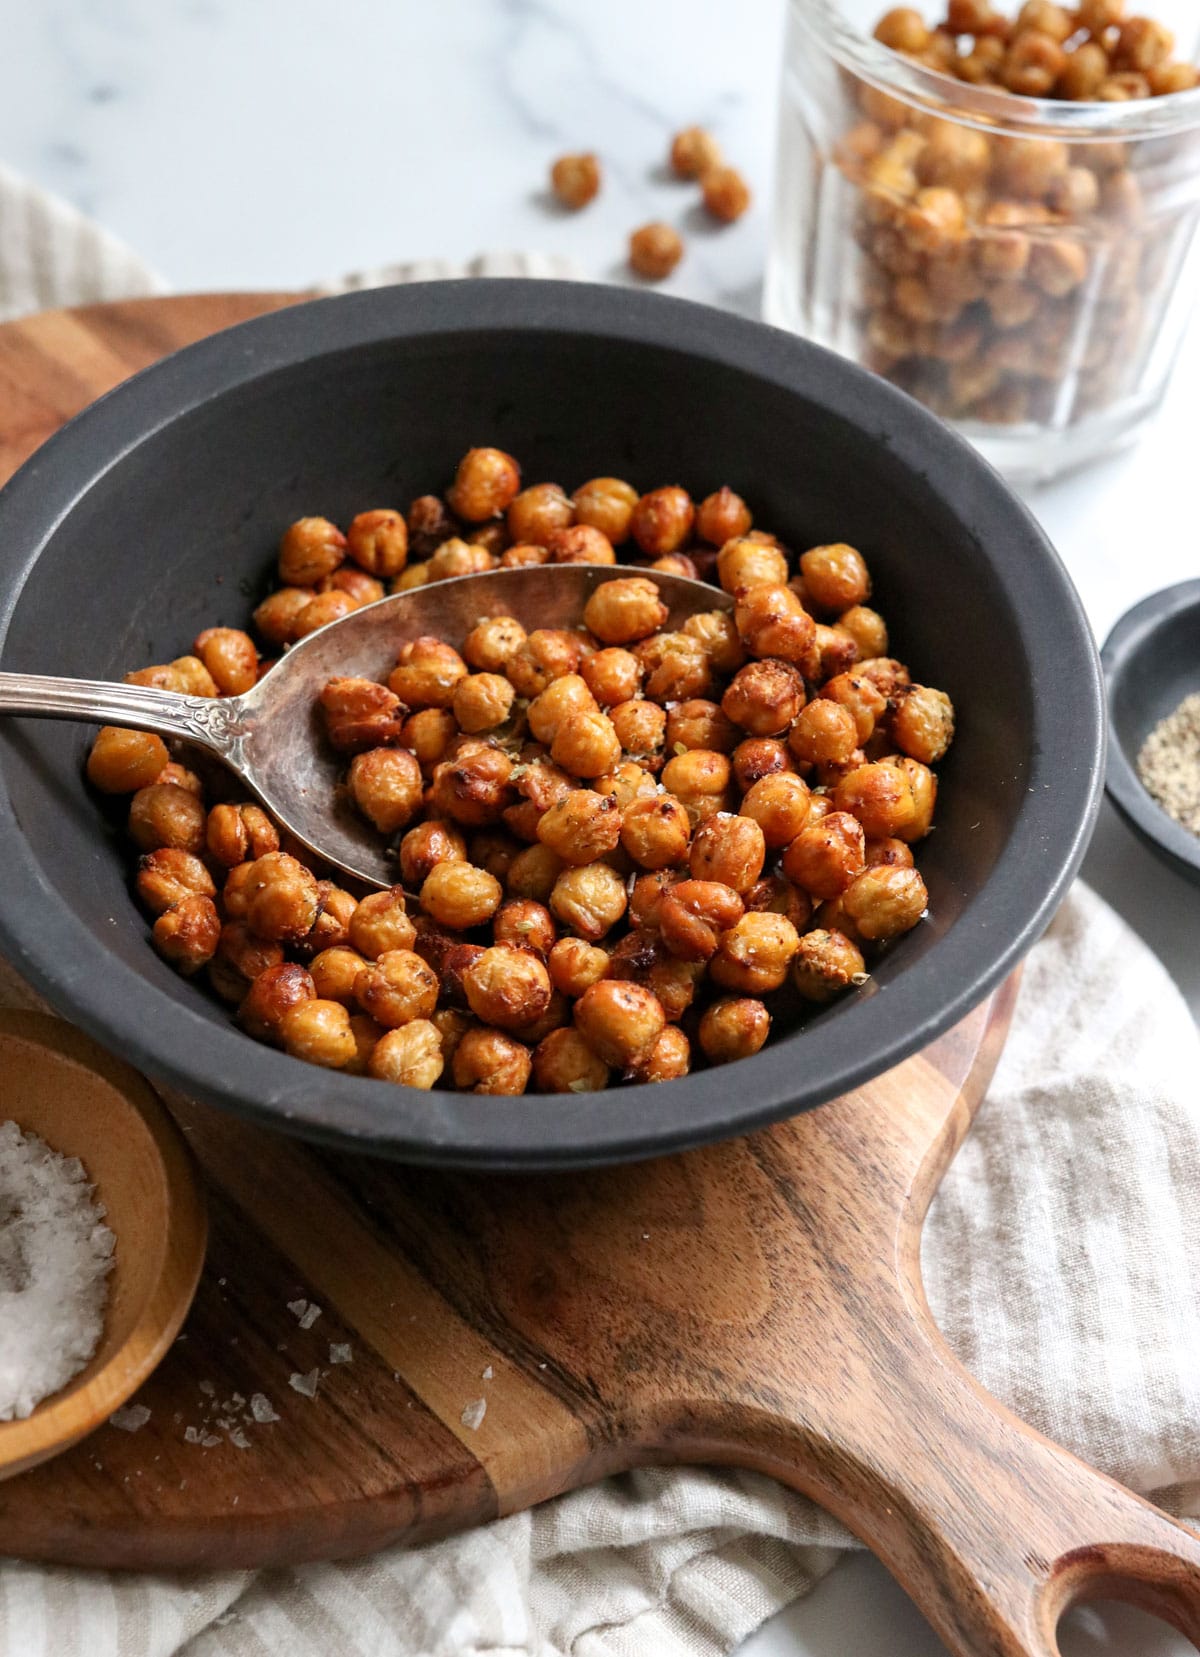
272	737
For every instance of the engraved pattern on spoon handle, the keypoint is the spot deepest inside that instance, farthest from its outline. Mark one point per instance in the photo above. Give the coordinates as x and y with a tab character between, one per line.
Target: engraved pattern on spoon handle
213	724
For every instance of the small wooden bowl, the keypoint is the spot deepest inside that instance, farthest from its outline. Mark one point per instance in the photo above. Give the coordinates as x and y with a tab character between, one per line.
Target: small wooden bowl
85	1103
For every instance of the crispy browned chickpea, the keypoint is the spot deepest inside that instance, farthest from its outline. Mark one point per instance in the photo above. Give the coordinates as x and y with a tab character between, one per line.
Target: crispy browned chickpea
619	1021
590	899
493	850
230	657
582	827
676	665
270	995
835	576
771	621
380	923
335	910
779	804
541	785
1142	44
826	855
163	814
385	785
867	628
923	723
717	635
186	674
575	180
416	575
361	714
507	987
235	894
363	588
826	963
586	743
525	925
655	831
318	1032
451	967
923	784
492	643
858	693
238	833
574	965
1084	72
488	1061
410	1056
699	780
781	897
378	542
729	850
754	955
473	788
166	876
399	986
699	723
661	523
693	152
880	796
758	757
904	30
1033	64
335	972
641	957
493	538
628	782
824	733
459	895
1168	78
613	675
187	934
427	673
564	1063
486	482
482	701
366	1034
182	778
888	853
606	504
885	901
537	512
641	730
885	673
457	557
121	761
676	563
693	915
556	1015
746	562
281	898
833	651
734	1028
764	697
310	548
625	610
428	844
654	250
563	696
722	516
428	734
726	193
580	544
239	960
646	896
668	1059
321	610
533	872
429	524
276	616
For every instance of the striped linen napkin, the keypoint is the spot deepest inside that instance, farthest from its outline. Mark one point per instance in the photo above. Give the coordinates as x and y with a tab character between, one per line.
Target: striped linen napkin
1062	1259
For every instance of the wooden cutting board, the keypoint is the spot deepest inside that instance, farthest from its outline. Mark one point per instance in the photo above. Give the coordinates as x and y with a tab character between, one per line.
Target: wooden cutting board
485	1342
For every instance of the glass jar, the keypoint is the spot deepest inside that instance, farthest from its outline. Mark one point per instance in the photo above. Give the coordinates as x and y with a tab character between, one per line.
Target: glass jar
1025	267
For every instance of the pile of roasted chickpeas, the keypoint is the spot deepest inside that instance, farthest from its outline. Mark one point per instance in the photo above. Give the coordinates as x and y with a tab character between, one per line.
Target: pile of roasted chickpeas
619	848
1005	279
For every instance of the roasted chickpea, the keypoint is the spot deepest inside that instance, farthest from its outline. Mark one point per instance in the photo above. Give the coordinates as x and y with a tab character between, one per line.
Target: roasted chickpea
612	676
753	957
885	901
366	1034
537	512
771	621
782	897
575	179
399	986
166	876
278	613
239	959
321	610
779	804
835	576
582	827
826	962
826	855
507	987
547	654
427	673
361	714
410	1056
492	643
459	895
457	557
728	849
734	1028
575	965
693	151
164	814
590	899
335	910
385	785
661	523
717	635
230	657
745	562
699	780
586	743
867	628
319	1033
923	723
655	831
473	788
270	996
525	925
833	651
428	844
1033	64
381	923
722	516
628	782
726	193
541	785
235	894
237	833
764	697
484	485
640	729
563	696
619	1021
924	785
580	544
416	575
693	915
488	1061
654	250
606	504
564	1063
888	676
310	548
482	701
824	733
699	723
187	934
281	898
428	734
646	896
860	696
451	966
668	1059
676	665
758	757
335	972
533	872
625	610
121	761
888	853
429	524
880	796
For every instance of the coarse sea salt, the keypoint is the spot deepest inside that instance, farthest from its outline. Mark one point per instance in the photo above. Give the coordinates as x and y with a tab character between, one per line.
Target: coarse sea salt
55	1257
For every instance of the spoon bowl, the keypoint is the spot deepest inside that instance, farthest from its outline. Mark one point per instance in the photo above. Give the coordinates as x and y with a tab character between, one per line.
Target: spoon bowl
272	738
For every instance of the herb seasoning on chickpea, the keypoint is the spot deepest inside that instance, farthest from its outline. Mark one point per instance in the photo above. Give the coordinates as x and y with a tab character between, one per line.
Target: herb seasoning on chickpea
622	850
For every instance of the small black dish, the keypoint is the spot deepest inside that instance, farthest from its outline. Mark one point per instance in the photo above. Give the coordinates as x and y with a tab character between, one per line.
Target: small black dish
1151	661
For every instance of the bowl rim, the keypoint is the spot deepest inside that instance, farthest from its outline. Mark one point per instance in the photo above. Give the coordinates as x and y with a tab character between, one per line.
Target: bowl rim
82	1405
1129	637
70	966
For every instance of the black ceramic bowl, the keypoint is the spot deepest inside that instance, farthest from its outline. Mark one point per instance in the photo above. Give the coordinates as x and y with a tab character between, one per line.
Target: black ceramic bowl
1151	661
157	512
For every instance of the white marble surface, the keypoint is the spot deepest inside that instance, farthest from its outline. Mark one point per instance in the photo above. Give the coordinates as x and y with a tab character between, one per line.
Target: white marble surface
273	142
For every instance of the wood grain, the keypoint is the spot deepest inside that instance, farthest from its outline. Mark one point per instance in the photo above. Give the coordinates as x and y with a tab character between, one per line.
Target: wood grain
757	1304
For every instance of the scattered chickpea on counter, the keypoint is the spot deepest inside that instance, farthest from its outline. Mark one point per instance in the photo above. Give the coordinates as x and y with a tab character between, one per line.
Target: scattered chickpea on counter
623	850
